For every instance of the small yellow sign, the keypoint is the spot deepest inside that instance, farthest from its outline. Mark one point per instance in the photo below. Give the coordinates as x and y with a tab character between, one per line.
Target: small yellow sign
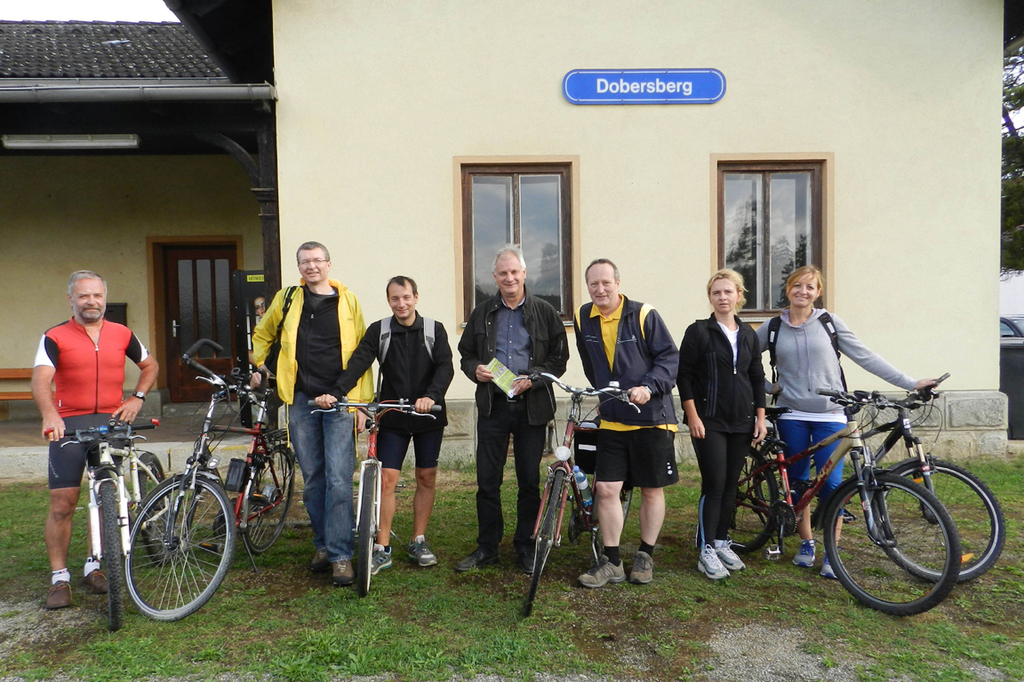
254	278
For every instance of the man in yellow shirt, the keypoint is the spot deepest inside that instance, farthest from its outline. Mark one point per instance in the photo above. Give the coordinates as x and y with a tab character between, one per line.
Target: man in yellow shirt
626	341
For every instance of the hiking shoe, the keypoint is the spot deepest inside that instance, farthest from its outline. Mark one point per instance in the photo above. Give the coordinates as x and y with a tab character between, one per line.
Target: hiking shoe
342	572
59	596
380	561
319	564
729	558
420	554
642	571
96	581
710	565
603	573
805	557
826	570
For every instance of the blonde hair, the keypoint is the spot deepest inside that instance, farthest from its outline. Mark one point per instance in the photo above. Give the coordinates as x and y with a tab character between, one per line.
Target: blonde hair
802	272
734	277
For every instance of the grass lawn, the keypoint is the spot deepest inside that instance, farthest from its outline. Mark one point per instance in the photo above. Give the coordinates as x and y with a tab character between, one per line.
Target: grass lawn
434	623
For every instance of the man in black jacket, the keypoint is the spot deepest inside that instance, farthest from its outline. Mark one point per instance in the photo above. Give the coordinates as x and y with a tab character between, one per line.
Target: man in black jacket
418	367
526	335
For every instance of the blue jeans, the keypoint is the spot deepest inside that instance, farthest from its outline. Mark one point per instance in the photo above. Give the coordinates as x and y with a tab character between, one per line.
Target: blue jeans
800	435
325	447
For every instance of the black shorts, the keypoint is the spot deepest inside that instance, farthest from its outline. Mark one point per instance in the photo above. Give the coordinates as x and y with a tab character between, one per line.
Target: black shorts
67	463
644	457
392	446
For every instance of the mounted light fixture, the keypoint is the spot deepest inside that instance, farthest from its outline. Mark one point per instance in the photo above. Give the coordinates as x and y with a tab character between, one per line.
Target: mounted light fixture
125	141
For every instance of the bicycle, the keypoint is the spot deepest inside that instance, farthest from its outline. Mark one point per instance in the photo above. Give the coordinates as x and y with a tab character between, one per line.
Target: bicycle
902	558
109	503
368	496
583	516
183	543
975	509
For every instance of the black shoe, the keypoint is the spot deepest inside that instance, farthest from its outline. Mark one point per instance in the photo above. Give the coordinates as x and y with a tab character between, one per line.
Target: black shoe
526	560
848	517
478	558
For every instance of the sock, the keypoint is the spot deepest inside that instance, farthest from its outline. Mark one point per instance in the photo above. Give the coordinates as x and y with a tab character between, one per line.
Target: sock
91	565
377	547
721	543
418	539
613	555
57	576
644	547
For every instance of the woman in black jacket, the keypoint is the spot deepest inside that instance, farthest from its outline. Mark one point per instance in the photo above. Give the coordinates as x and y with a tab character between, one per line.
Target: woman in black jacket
720	385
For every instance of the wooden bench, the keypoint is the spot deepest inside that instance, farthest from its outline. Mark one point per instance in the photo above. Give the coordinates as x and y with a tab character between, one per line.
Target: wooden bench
15	374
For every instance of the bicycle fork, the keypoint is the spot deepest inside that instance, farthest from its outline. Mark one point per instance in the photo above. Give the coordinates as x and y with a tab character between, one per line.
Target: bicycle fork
108	467
370	462
872	496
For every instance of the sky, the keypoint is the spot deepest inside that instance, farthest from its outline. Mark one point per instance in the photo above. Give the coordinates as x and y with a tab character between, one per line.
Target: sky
85	10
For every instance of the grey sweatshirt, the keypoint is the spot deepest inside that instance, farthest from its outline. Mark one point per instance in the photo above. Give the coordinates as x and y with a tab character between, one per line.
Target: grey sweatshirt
806	361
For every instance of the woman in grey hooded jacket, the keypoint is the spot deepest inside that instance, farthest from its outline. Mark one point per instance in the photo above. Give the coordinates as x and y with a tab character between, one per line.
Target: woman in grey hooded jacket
806	360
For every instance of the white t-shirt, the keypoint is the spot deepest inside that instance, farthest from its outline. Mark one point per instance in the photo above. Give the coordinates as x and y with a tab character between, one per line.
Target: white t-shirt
734	338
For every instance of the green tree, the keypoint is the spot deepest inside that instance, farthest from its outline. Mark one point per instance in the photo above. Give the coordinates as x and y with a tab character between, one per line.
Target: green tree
1013	163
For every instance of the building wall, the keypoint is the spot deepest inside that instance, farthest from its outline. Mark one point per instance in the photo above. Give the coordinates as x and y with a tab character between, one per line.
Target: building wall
377	100
61	214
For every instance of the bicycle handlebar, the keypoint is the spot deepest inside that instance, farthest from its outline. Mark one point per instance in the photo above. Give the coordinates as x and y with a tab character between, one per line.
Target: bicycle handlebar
107	432
238	382
915	399
402	405
611	391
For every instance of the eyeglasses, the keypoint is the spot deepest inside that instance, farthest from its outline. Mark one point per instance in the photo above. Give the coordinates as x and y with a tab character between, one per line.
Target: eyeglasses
312	261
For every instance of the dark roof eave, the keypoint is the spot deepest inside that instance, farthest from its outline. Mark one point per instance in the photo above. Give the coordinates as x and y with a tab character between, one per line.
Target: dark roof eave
35	94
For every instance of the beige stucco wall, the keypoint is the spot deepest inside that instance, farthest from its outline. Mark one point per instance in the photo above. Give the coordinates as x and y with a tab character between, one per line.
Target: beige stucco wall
377	99
61	214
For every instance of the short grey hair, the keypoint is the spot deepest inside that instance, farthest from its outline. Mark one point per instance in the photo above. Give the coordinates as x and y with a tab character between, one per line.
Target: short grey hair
513	249
84	274
309	246
601	261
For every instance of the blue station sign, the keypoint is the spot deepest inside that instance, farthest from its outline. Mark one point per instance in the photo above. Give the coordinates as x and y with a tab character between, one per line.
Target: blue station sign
644	86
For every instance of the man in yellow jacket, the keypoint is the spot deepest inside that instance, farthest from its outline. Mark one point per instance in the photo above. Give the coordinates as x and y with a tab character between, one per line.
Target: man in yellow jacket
322	326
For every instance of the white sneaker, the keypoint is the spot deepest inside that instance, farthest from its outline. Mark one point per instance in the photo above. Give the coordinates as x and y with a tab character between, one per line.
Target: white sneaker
728	557
710	565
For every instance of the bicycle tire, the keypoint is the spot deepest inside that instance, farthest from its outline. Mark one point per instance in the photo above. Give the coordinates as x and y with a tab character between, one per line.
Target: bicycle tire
877	576
975	510
151	474
752	521
545	536
367	529
270	497
113	553
171	581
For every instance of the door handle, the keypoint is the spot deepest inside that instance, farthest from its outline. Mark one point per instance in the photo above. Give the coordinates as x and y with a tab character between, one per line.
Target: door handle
174	328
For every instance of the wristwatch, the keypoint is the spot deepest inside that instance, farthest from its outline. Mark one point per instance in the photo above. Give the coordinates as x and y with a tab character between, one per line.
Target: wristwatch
140	395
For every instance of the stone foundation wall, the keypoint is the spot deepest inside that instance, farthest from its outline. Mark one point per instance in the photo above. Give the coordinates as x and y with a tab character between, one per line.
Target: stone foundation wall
961	425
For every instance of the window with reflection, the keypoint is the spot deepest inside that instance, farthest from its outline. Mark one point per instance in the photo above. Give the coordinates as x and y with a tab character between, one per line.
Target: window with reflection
769	224
528	205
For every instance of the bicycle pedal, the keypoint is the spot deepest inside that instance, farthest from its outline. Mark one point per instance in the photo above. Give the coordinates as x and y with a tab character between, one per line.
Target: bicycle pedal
772	552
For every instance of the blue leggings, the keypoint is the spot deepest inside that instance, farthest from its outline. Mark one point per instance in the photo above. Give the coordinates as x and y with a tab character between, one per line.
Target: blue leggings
800	435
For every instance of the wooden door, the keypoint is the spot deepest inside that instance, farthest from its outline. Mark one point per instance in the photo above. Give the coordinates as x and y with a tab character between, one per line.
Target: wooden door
198	305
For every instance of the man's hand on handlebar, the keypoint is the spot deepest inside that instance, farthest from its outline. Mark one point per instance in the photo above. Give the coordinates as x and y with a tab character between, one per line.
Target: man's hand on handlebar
325	401
424	404
128	410
522	384
639	395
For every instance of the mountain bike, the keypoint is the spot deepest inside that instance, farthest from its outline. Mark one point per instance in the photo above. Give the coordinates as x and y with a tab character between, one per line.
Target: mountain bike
975	509
368	495
562	480
109	447
184	540
903	557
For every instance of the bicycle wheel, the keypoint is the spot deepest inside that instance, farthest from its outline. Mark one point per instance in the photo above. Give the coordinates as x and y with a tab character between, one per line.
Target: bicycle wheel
181	548
367	529
151	474
270	496
113	554
545	536
975	510
877	576
752	524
